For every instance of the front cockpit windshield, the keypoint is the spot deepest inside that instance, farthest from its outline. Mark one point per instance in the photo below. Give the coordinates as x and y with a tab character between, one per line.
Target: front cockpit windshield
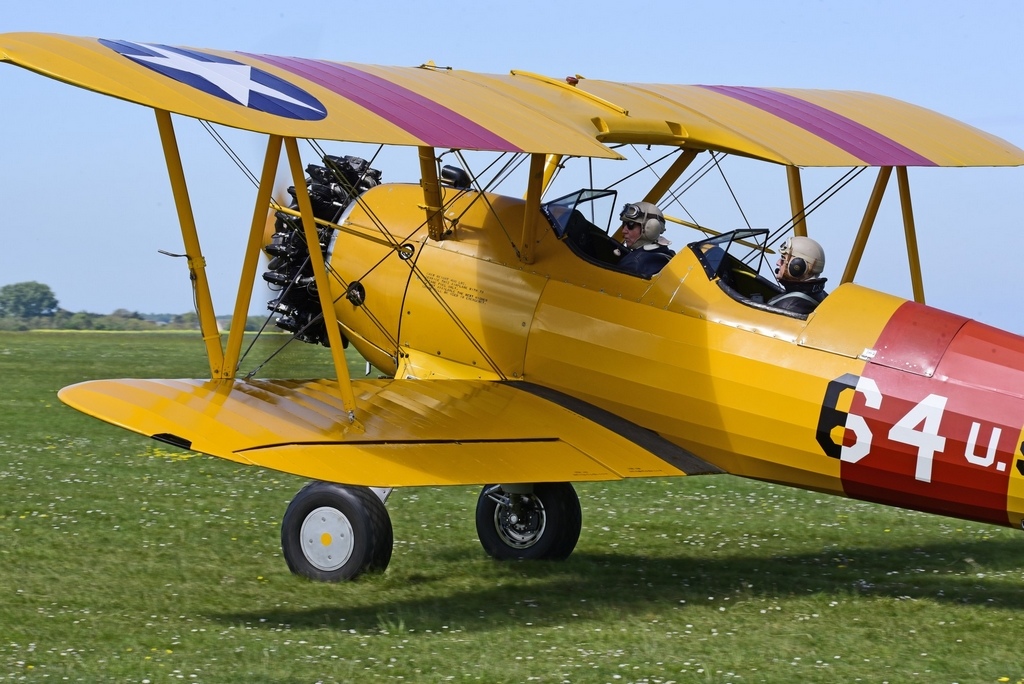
583	220
595	207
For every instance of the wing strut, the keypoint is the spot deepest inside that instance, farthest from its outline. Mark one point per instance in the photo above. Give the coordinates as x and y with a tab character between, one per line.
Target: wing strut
672	174
196	262
431	193
534	189
909	229
323	284
796	200
870	212
252	255
551	164
911	234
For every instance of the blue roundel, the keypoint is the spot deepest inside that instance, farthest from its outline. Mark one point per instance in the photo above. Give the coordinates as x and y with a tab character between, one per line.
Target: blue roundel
224	78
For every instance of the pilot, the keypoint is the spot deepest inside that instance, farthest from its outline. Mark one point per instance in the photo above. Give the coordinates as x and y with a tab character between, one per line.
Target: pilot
647	251
801	261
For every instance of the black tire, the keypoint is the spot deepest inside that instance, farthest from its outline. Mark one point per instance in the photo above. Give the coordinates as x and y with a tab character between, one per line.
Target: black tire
334	532
542	525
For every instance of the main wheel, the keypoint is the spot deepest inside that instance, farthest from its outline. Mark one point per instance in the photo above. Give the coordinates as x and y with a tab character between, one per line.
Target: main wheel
333	532
541	524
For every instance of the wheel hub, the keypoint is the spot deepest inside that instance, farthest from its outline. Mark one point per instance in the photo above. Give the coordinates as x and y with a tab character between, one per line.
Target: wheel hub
521	524
327	538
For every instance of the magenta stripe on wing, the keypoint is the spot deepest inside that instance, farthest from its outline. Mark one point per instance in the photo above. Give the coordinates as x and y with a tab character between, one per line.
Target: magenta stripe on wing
866	144
431	122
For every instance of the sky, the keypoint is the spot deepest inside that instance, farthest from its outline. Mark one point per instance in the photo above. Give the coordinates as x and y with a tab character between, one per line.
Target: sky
87	204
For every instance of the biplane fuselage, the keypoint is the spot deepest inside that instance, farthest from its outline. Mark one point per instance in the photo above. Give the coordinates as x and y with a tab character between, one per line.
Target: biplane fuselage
931	402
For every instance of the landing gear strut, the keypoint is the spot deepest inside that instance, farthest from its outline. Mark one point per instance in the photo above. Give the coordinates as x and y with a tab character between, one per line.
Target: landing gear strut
529	522
333	532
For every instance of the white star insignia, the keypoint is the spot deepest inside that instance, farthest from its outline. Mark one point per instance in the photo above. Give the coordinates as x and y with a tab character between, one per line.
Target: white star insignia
233	79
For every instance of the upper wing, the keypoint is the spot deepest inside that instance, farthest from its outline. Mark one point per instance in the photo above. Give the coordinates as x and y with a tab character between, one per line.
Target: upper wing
804	127
518	112
301	98
406	432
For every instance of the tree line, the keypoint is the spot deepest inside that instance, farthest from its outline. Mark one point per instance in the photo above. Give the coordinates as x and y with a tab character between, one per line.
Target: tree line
34	306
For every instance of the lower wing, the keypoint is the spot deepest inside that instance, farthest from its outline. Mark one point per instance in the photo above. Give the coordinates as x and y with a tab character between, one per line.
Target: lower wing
404	432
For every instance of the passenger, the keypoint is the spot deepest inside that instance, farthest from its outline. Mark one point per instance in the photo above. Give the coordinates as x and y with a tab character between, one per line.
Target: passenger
801	261
647	251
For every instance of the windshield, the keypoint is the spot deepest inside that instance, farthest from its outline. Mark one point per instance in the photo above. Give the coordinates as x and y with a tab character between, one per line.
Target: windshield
593	206
743	246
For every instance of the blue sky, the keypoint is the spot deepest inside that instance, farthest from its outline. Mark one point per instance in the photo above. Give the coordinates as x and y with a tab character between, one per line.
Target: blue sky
85	193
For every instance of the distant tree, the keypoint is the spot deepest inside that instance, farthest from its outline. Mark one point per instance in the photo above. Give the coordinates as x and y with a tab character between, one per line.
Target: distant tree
27	300
254	323
185	321
80	321
125	313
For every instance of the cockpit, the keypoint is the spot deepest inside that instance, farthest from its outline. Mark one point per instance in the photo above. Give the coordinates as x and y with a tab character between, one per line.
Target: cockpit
575	219
735	261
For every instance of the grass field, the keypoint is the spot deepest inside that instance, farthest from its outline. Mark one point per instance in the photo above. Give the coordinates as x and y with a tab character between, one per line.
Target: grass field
125	560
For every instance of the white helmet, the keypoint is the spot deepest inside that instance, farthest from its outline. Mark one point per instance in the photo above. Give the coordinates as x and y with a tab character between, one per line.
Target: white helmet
650	218
802	258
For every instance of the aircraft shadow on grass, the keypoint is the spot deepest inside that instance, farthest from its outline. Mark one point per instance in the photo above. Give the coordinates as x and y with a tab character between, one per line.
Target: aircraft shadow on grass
591	583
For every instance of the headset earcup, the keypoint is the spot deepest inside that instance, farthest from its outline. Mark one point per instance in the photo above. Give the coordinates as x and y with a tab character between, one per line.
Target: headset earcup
797	267
650	230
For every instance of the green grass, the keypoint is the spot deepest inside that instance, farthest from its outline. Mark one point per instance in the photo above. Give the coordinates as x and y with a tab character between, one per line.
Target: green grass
125	560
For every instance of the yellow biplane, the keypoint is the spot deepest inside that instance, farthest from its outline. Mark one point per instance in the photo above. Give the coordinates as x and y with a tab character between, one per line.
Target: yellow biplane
518	355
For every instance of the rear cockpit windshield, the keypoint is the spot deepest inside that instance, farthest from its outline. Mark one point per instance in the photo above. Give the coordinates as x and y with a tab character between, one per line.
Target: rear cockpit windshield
735	250
736	261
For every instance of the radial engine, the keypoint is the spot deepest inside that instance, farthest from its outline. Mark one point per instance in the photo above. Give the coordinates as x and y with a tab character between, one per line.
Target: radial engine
332	187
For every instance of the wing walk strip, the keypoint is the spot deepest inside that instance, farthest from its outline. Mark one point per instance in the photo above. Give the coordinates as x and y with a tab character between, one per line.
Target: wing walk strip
642	437
414	432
